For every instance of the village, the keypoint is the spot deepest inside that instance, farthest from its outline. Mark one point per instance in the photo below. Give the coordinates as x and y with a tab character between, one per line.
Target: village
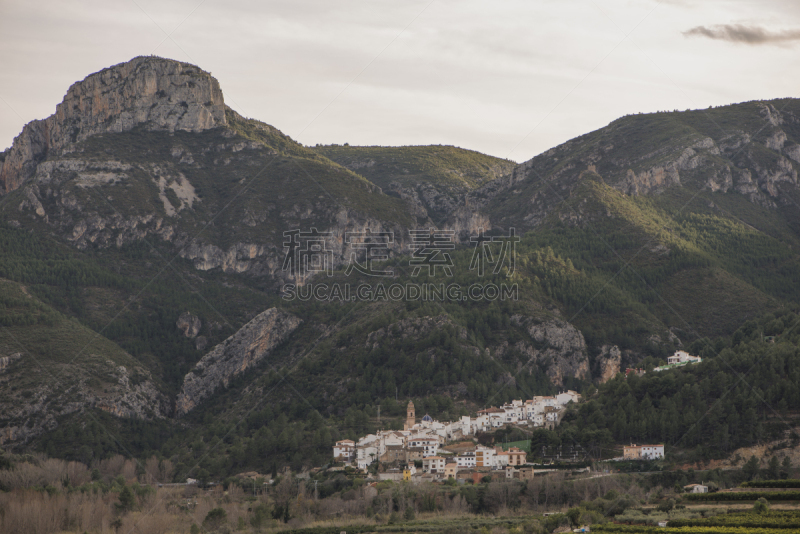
430	450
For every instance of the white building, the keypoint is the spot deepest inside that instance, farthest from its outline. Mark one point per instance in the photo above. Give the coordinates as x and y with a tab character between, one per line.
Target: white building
652	452
366	455
344	450
394	439
565	397
466	460
643	452
683	357
678	359
429	445
696	488
500	460
433	465
484	456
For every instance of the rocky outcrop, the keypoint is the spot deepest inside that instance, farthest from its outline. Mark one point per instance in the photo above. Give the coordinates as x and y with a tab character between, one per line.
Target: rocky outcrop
657	179
769	179
416	329
244	349
189	325
6	361
560	348
151	92
133	396
608	363
108	386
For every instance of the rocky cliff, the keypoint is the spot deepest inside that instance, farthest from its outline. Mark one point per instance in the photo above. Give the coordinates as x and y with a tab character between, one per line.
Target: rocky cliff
154	93
565	349
147	150
558	347
67	389
755	154
243	350
608	361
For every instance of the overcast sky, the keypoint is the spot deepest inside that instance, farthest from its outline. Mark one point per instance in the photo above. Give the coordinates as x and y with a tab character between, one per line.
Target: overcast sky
510	79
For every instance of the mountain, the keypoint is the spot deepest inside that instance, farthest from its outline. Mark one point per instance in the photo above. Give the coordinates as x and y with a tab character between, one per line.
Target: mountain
144	224
432	179
147	150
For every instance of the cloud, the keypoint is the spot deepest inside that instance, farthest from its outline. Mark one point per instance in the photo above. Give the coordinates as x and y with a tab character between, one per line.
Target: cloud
739	33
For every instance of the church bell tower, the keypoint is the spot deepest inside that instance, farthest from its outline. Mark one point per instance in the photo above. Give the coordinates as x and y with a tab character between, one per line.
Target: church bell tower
410	417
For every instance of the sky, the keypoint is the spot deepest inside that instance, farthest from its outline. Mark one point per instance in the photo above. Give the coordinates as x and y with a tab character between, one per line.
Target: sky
511	79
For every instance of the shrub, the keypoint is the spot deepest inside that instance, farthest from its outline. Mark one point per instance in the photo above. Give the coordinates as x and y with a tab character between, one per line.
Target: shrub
215	518
126	499
666	506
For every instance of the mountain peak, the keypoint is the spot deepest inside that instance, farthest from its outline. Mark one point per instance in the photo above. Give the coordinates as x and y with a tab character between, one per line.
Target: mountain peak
149	91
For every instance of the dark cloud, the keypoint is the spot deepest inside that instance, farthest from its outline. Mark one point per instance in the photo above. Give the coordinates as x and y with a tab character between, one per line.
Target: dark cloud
739	33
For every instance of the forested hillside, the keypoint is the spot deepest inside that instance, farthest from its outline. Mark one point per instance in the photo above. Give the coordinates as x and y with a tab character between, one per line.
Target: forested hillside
129	254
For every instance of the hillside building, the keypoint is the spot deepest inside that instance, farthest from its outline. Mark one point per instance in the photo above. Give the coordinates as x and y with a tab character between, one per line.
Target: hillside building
695	488
344	451
643	452
434	465
679	359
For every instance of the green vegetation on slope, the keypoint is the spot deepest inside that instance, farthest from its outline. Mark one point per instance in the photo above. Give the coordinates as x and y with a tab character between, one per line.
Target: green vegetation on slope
447	167
741	394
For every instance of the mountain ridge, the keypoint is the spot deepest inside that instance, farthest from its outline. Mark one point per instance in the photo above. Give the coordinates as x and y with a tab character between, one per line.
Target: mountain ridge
644	236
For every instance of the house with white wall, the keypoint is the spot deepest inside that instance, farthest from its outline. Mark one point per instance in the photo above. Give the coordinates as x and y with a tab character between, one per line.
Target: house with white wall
433	464
565	397
429	445
344	450
643	452
366	455
484	456
465	460
681	356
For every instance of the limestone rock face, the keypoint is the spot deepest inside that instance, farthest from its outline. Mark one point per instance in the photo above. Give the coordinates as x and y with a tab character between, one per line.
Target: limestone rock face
608	362
562	348
244	349
567	349
122	392
152	92
189	324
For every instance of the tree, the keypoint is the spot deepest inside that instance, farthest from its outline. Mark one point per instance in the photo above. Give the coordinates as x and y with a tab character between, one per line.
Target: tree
750	468
215	518
285	492
574	515
667	505
761	506
126	499
786	465
772	470
409	515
